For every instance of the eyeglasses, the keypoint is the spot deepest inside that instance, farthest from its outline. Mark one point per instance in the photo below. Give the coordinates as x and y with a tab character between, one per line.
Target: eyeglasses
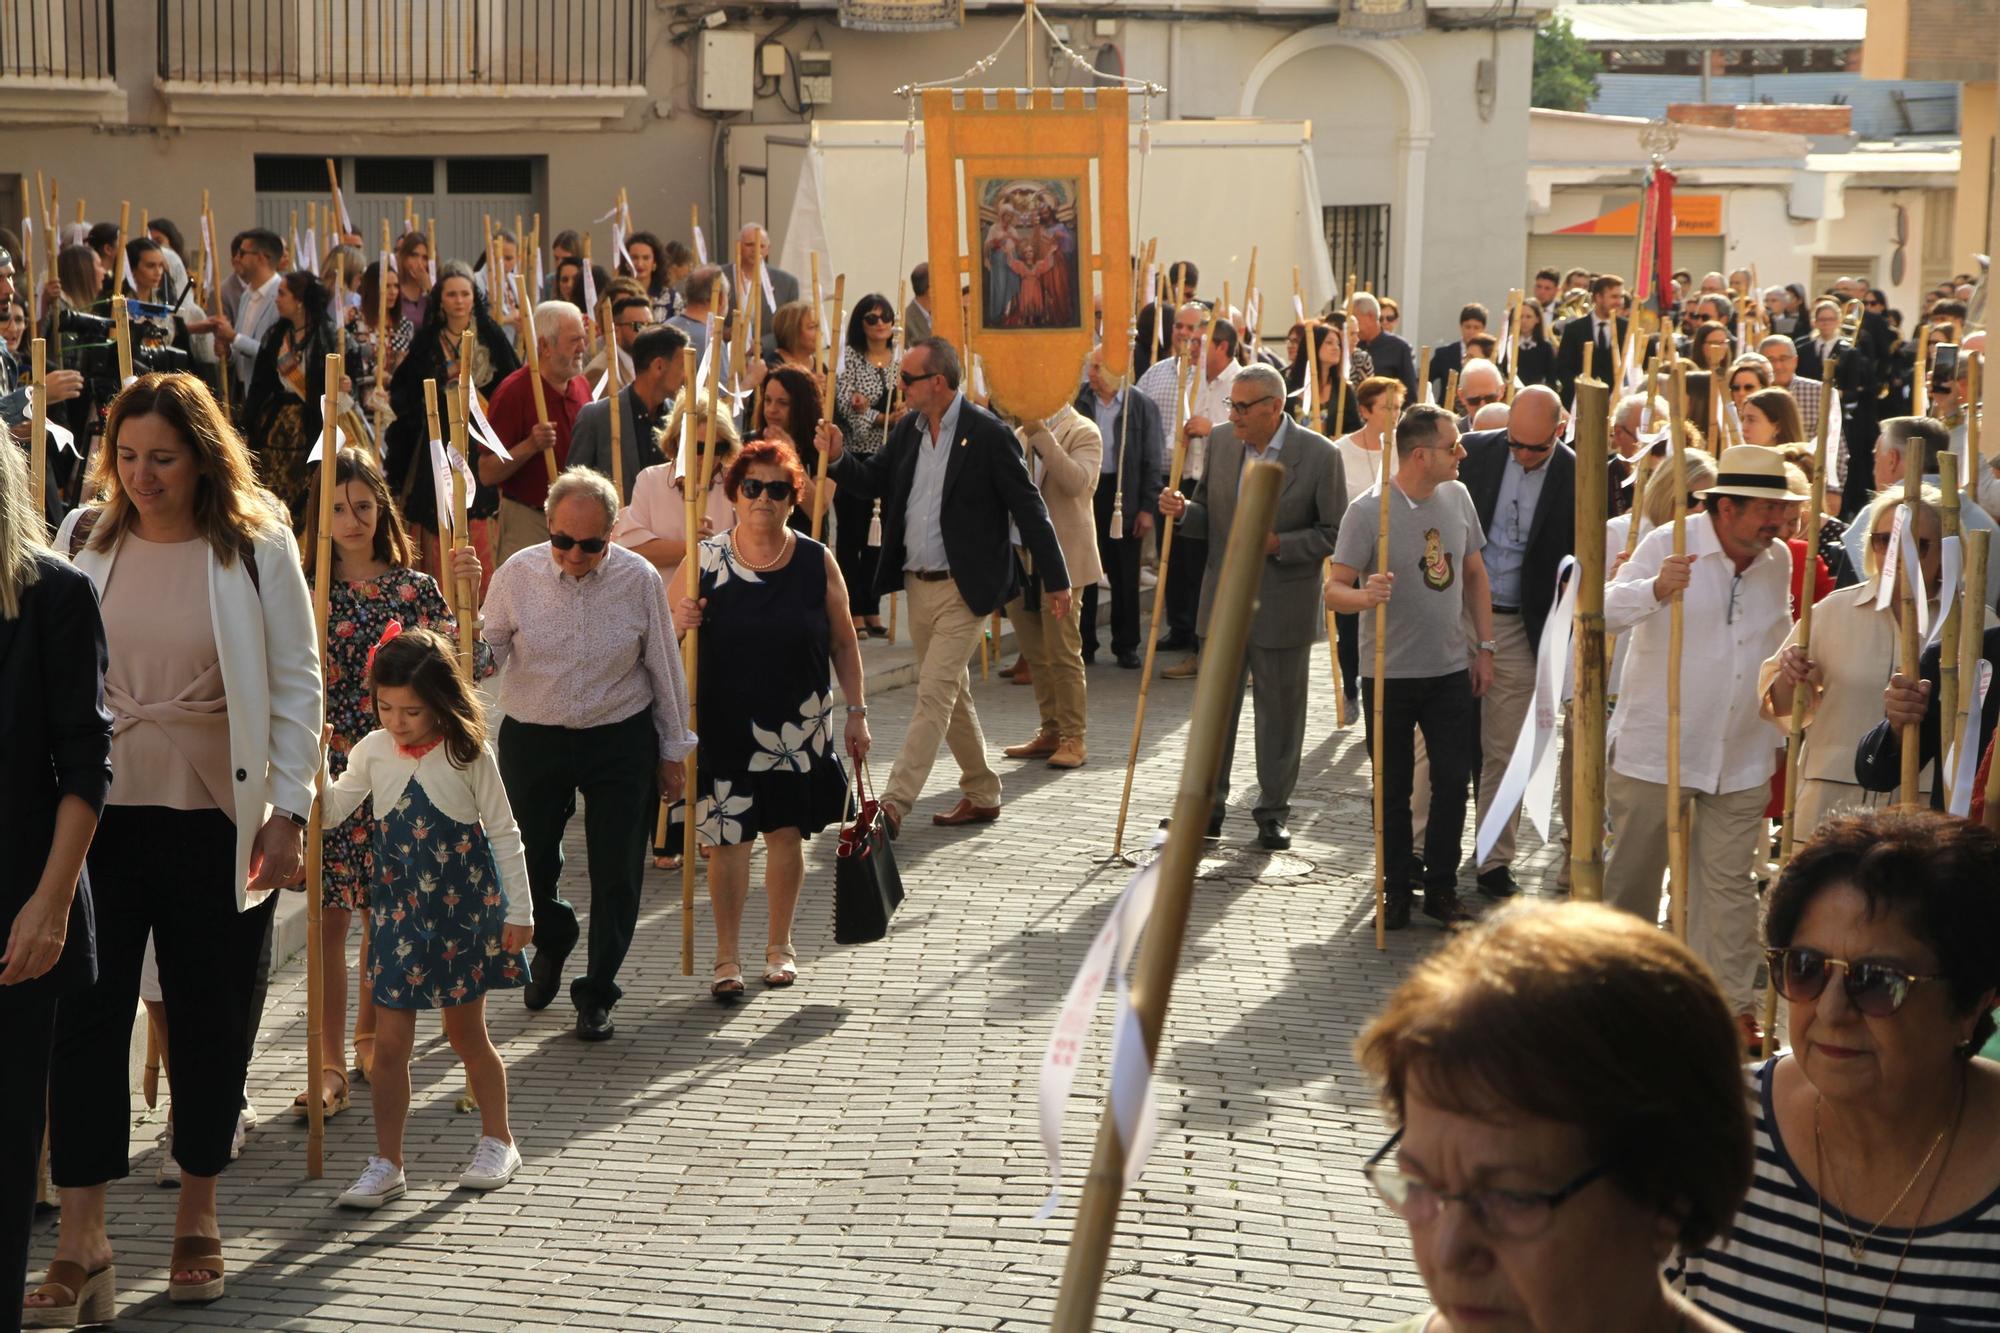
562	541
632	325
877	317
1475	401
919	378
1876	989
1880	541
1237	409
1508	1214
777	490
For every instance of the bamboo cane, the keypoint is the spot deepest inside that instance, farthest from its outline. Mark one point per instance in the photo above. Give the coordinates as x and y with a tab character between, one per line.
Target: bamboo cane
31	294
1920	377
122	332
123	271
1249	300
1451	392
1311	355
38	440
691	581
465	591
1909	645
1975	466
1424	375
292	242
611	397
819	312
337	217
1380	678
1586	742
1677	847
827	400
1512	350
1159	585
1972	646
1214	712
1948	680
383	345
222	357
690	393
315	860
535	372
82	215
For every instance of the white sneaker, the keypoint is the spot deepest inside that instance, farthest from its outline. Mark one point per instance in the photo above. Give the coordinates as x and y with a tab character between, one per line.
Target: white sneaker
166	1171
381	1181
493	1165
245	1119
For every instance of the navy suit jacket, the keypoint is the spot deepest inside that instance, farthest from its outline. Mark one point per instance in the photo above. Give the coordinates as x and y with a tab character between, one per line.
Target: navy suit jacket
1551	536
1144	474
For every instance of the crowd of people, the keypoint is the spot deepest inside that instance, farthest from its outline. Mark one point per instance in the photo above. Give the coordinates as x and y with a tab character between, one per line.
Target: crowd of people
592	564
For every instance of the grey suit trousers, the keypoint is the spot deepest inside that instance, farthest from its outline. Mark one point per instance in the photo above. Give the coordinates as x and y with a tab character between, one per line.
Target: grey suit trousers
1280	681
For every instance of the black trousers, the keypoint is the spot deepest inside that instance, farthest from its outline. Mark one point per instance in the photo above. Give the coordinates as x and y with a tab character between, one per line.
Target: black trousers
1121	565
170	873
1184	570
616	767
851	551
27	1029
1442	707
1347	628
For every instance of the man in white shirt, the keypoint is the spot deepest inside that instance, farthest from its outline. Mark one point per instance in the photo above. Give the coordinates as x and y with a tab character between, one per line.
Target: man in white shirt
1208	407
1735	587
1160	382
253	257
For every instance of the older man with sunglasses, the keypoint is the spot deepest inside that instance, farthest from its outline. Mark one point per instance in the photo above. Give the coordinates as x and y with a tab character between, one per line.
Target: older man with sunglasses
595	702
1734	584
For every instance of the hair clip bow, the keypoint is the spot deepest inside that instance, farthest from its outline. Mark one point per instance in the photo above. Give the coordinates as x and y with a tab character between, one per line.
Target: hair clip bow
390	631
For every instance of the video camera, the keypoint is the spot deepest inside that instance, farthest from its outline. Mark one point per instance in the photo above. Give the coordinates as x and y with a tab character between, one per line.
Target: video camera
152	330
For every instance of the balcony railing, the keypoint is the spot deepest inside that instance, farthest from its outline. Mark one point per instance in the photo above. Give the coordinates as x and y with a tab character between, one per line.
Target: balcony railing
412	44
66	40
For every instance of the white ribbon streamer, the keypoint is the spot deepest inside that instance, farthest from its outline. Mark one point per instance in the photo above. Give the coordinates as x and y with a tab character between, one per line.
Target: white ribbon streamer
1949	558
312	248
700	247
1299	307
589	289
444	462
1962	760
1530	778
605	217
341	442
1885	579
597	390
1131	1073
61	434
618	250
483	430
770	293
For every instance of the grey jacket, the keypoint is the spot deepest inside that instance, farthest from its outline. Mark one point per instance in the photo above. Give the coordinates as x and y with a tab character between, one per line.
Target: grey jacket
590	440
1310	504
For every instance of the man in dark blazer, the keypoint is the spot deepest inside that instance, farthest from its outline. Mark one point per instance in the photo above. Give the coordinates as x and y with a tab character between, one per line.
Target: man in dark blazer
1602	328
1855	374
656	378
1135	469
1447	357
951	477
1523	484
1389	353
1289	619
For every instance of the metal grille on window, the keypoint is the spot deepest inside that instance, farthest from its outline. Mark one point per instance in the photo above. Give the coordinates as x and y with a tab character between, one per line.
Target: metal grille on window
290	175
394	175
489	175
1357	242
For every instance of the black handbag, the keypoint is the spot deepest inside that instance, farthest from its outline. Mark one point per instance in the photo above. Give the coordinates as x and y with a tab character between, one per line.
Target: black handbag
867	889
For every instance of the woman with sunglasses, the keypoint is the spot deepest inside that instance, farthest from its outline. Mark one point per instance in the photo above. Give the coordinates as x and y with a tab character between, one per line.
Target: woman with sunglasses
772	597
867	374
1877	1190
788	412
1749	374
1568	1109
1853	653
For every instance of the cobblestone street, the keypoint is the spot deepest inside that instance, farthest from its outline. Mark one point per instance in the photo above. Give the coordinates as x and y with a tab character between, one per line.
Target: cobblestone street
861	1151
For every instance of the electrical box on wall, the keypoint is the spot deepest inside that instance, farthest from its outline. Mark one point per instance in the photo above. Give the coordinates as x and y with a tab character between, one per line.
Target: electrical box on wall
727	70
815	77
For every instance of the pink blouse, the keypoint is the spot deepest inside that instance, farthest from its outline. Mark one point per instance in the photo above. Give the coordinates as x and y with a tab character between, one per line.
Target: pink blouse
659	512
170	729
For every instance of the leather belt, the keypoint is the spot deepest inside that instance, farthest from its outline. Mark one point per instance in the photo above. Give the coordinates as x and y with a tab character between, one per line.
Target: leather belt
1506	610
929	575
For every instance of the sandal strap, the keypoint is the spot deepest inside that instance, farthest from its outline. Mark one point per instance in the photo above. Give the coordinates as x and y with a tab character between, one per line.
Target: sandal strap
64	1283
196	1254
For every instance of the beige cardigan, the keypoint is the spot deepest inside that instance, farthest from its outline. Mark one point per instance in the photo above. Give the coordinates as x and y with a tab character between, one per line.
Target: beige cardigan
1068	454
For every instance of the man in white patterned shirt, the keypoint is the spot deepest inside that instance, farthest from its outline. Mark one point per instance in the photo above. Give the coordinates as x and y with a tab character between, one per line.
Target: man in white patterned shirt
1160	383
595	702
1783	354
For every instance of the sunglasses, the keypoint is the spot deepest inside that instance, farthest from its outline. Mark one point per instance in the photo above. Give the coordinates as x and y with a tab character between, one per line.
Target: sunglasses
909	379
1520	448
777	490
877	317
1475	401
1877	990
562	541
1880	541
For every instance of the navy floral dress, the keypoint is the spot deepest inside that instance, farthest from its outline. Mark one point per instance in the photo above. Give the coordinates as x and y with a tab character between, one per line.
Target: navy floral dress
360	610
768	757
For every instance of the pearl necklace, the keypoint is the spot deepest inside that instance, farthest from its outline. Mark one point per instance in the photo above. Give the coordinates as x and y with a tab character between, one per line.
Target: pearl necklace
736	551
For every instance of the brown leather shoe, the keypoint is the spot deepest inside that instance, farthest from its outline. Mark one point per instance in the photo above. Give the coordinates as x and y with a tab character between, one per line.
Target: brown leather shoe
965	812
1068	754
1042	746
1019	672
1186	669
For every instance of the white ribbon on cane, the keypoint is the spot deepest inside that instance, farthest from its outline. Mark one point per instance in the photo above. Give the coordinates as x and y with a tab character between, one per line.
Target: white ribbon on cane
1902	560
1962	759
482	429
700	247
444	462
1949	560
61	434
1530	778
1131	1072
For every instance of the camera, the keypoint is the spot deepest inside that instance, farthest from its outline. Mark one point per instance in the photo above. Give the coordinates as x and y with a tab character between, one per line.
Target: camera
152	332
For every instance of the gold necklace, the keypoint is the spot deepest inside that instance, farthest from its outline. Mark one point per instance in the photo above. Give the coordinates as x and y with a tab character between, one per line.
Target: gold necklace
1858	1245
1910	1235
736	549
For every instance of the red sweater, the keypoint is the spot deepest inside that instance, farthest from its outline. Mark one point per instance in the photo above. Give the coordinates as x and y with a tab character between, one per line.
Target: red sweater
512	412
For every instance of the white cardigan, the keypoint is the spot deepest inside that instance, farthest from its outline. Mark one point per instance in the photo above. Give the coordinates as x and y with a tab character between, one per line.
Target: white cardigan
270	677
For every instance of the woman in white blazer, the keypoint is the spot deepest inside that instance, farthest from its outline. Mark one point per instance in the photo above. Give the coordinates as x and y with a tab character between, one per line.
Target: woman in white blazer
214	684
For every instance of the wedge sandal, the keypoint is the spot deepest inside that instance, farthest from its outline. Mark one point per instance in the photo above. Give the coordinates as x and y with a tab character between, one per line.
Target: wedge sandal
79	1297
195	1254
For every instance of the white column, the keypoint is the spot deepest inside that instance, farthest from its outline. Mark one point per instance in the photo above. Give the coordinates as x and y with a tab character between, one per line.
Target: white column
1414	155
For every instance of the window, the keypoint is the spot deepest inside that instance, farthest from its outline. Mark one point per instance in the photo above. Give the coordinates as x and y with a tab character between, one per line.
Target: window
489	175
1827	268
1357	242
394	175
291	175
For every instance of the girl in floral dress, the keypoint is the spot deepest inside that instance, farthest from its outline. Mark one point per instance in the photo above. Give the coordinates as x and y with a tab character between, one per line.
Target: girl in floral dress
452	910
373	583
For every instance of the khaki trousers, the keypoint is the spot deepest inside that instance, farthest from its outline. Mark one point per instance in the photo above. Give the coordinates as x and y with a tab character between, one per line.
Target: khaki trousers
520	528
1501	710
1053	646
945	633
1724	848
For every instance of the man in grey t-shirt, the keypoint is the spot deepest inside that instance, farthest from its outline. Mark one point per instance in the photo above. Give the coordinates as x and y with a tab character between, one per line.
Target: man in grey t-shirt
1436	576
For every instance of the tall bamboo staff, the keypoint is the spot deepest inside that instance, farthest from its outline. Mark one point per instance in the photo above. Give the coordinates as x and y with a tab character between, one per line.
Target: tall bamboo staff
1909	644
819	312
1920	379
826	412
1975	466
336	218
315	862
122	332
535	370
690	393
121	267
215	278
1339	422
1512	351
611	397
1159	956
38	440
1948	682
1252	316
1586	813
1159	580
697	501
383	344
1381	676
1677	847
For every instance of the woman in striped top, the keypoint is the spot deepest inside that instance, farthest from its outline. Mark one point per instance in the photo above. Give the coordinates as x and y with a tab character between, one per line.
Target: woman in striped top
1876	1200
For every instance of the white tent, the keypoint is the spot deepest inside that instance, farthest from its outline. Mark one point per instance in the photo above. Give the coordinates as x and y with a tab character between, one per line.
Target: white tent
1209	190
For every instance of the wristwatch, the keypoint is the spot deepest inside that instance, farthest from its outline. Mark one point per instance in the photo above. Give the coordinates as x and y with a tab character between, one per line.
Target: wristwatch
1486	646
300	820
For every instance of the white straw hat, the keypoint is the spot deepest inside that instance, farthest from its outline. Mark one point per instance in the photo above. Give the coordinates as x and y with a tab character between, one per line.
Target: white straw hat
1753	472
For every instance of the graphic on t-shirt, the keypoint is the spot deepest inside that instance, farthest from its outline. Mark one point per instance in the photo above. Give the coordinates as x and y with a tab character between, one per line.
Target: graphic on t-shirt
1437	562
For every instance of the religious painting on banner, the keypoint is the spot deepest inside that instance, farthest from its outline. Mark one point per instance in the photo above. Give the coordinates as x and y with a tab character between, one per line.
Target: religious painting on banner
1027	203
